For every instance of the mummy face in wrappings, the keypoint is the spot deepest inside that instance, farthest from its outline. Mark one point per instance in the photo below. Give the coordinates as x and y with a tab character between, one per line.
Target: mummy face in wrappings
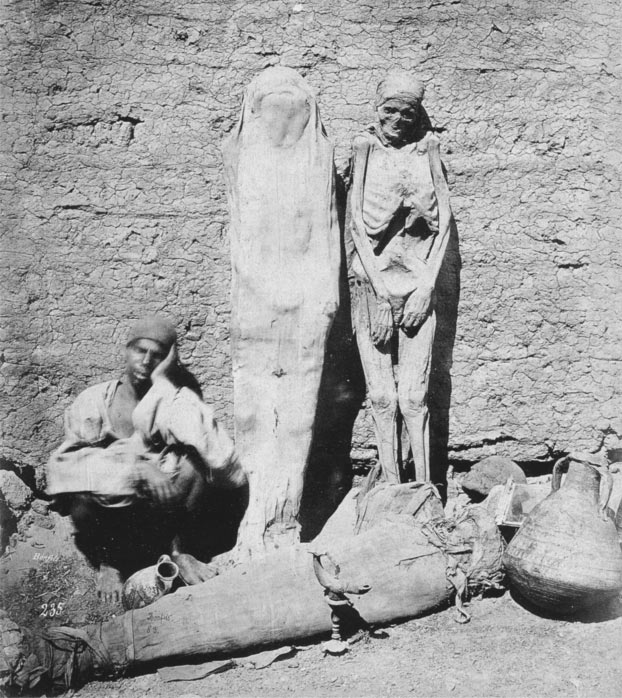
284	115
398	120
281	102
398	107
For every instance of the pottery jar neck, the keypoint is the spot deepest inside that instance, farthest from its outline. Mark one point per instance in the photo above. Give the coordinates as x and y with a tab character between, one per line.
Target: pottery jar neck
583	477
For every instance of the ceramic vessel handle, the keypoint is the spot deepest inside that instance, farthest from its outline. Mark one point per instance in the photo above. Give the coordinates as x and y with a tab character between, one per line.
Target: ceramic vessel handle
558	468
606	485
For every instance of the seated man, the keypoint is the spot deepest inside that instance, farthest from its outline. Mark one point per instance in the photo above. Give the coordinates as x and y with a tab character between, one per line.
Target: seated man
145	467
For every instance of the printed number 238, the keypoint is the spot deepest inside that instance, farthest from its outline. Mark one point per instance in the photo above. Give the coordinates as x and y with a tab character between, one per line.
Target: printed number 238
51	609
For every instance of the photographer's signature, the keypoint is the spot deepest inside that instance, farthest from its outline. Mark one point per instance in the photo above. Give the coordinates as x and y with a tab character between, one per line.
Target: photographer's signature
46	557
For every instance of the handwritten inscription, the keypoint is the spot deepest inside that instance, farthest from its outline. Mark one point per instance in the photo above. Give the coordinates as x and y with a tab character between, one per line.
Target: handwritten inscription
43	557
154	622
51	610
158	617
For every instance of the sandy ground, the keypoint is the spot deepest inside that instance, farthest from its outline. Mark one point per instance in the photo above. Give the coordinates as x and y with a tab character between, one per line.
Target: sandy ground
504	650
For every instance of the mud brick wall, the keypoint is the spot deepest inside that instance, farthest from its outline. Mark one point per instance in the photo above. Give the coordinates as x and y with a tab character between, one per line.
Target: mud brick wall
113	113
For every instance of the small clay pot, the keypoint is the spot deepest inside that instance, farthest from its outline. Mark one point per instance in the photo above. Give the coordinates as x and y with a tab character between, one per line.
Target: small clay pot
148	585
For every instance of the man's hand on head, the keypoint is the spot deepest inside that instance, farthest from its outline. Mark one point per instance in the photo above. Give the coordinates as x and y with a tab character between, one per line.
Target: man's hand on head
165	370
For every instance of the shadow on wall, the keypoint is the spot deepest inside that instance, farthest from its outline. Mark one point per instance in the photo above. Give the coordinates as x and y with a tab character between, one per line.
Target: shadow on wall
342	390
447	298
329	473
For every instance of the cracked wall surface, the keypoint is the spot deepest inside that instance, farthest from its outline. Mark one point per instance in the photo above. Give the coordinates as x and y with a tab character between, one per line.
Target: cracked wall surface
113	115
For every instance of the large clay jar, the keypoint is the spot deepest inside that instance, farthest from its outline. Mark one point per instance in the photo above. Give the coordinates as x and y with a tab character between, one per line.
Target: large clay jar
566	556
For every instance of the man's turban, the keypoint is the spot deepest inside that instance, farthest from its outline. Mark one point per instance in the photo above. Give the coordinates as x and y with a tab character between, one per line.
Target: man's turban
156	328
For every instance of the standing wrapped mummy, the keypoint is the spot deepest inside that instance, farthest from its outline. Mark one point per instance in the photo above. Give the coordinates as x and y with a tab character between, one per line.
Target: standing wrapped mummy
285	253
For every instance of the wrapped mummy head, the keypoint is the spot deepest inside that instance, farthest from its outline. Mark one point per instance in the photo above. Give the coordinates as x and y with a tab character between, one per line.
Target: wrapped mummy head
398	108
282	103
402	85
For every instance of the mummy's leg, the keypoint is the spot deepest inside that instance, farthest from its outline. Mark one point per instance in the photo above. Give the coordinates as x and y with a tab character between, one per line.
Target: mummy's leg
379	377
415	360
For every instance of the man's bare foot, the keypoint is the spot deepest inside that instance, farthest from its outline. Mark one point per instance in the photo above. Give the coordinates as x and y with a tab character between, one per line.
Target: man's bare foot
109	584
191	570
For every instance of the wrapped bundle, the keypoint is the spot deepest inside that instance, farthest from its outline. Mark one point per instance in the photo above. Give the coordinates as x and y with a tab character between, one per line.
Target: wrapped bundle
410	563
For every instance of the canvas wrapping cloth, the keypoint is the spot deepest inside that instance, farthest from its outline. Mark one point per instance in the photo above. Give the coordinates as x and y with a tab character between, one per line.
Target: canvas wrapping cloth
474	550
170	424
285	252
405	552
